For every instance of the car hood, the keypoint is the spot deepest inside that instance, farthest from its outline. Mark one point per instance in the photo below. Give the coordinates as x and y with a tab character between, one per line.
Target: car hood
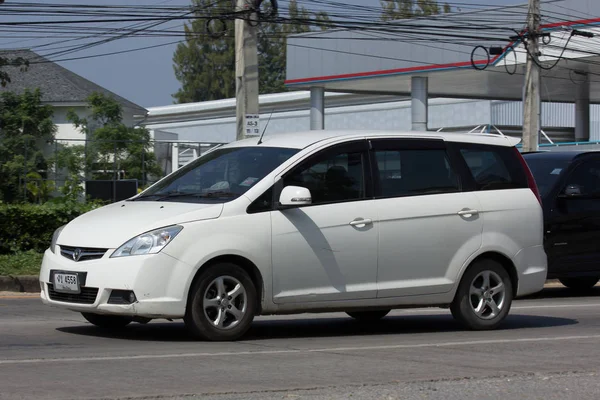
111	226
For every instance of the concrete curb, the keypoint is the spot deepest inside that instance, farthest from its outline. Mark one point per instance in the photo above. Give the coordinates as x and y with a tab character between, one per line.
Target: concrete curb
30	284
20	284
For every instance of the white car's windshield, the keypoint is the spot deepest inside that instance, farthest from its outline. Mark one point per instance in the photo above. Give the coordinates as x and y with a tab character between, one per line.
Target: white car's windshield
220	175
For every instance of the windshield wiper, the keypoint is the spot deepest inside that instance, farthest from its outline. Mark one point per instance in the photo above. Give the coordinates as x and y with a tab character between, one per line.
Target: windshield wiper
165	196
161	196
218	194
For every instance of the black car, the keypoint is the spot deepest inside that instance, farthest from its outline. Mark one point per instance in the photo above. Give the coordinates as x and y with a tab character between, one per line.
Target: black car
569	184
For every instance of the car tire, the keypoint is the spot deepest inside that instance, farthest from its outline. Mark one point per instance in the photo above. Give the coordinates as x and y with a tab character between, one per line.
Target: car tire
582	283
484	296
368	316
107	321
222	303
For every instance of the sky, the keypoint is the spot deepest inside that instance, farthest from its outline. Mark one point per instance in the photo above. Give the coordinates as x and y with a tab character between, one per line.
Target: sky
145	77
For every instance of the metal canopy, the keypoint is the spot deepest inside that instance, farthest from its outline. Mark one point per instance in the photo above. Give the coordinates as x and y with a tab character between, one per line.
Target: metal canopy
363	62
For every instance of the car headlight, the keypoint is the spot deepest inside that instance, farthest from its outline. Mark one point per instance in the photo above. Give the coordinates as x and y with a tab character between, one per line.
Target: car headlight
148	243
55	238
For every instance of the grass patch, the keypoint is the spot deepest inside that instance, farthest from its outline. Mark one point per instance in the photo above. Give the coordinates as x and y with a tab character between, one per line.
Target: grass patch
22	263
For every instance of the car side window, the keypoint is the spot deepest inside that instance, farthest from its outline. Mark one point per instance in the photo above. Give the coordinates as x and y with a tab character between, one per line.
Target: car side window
333	176
408	172
584	180
493	167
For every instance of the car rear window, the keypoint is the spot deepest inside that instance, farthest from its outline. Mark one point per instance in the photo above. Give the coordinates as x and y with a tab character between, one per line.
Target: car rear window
494	167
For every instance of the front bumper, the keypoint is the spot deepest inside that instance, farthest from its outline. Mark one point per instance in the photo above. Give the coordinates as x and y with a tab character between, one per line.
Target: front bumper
159	282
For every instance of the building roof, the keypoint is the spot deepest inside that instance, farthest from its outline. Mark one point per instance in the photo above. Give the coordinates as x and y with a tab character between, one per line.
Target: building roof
301	140
57	84
269	103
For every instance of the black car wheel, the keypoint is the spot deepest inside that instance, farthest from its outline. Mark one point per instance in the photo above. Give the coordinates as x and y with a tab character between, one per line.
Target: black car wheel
583	283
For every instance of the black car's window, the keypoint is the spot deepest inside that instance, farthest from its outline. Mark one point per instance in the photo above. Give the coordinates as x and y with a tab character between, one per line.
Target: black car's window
586	178
494	167
546	172
332	177
406	172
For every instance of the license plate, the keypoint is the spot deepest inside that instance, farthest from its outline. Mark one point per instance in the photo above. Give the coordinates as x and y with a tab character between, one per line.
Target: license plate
66	283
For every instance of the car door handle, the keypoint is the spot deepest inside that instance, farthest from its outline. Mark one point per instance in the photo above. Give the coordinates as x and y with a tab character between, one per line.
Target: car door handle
467	213
361	222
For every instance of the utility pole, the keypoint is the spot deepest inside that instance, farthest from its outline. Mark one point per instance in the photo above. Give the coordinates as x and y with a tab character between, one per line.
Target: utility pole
531	96
246	73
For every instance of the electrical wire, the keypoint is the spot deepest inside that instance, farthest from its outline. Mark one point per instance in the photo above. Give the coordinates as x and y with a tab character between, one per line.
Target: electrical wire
353	18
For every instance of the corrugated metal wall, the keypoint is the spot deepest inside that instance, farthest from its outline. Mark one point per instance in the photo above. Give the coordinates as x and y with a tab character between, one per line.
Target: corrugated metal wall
459	113
554	115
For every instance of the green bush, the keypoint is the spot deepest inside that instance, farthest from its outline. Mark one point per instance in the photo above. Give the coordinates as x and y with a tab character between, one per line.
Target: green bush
22	263
25	227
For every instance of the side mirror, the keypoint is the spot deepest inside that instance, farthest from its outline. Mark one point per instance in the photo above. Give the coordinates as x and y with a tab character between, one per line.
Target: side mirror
572	190
295	196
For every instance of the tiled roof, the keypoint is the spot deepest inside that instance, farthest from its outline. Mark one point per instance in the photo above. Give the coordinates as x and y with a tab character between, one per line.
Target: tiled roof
58	84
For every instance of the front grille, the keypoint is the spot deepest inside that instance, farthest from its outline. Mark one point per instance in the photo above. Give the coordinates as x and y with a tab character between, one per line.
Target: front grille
82	253
87	295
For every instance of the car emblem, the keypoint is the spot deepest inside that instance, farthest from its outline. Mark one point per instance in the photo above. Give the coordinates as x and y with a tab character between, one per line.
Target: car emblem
76	254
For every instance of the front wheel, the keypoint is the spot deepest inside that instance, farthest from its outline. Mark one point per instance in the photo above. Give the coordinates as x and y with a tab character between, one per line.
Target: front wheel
368	316
222	303
484	296
107	321
583	283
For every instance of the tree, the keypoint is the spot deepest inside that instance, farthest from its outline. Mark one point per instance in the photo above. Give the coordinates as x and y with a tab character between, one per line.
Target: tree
404	9
25	128
205	66
113	146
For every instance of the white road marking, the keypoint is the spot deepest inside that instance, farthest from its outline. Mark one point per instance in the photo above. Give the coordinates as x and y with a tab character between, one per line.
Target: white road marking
557	306
298	351
547	306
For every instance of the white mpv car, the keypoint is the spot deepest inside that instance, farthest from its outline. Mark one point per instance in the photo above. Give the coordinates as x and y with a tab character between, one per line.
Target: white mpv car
359	222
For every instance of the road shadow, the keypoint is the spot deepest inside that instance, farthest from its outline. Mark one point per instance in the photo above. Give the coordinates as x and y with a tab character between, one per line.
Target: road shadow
391	325
155	332
561	292
317	327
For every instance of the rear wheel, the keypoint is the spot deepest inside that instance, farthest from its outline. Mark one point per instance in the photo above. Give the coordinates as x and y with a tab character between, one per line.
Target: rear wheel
107	321
368	316
222	303
583	283
484	296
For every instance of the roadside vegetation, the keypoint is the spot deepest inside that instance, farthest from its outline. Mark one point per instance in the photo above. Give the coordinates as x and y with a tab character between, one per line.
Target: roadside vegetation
33	201
20	263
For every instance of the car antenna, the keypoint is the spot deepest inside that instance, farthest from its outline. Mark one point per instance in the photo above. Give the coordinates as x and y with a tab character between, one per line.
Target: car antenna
264	130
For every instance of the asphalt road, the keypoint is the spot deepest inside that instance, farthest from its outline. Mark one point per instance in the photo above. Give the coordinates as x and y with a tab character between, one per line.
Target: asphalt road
549	348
